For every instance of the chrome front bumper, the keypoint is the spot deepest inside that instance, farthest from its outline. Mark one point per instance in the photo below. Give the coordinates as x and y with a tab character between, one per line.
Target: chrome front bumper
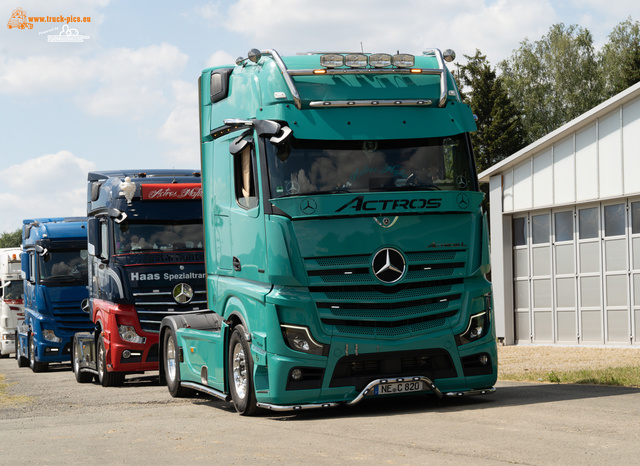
373	384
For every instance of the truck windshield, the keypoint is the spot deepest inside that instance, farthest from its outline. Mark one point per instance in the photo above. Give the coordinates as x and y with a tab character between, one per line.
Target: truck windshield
322	167
140	237
13	290
63	267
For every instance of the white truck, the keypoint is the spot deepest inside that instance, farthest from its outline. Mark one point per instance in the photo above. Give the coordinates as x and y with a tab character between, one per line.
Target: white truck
11	299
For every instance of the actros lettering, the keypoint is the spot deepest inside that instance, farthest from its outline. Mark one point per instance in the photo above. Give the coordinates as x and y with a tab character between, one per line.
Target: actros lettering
358	204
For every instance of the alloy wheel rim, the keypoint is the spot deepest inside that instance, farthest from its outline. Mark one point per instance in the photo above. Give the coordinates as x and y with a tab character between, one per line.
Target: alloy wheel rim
32	352
171	360
239	370
100	362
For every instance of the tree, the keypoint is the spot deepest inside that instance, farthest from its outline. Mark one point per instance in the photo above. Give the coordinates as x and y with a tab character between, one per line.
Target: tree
553	80
11	239
500	131
620	58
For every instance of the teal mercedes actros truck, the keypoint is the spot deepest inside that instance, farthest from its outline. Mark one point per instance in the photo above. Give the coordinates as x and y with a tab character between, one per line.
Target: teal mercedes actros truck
345	246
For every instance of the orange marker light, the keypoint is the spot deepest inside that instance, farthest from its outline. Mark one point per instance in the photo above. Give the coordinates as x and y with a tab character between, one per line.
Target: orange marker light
416	70
319	71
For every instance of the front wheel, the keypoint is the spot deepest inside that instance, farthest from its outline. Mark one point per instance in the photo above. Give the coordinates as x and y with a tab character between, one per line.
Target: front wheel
22	361
240	373
81	377
35	365
106	378
172	366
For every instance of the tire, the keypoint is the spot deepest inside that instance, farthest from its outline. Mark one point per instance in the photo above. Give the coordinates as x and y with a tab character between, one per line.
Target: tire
81	377
172	366
22	361
106	378
35	365
240	373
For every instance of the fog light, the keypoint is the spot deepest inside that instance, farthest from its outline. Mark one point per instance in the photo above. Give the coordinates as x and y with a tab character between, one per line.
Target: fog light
126	354
484	359
355	60
331	60
296	374
478	328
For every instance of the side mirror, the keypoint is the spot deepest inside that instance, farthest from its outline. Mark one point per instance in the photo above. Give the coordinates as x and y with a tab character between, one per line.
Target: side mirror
283	143
43	252
84	305
93	236
240	143
117	215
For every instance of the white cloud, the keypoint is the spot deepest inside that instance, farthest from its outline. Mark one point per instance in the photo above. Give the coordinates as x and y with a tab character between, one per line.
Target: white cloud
220	58
209	10
118	82
181	127
55	187
496	27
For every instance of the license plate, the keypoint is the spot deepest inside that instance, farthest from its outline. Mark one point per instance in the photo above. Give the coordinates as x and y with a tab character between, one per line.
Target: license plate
398	387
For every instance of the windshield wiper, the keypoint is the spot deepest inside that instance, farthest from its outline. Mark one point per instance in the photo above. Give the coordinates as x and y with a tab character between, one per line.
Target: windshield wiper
425	187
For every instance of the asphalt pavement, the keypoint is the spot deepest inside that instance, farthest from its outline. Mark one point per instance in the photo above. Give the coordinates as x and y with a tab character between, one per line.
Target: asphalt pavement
140	423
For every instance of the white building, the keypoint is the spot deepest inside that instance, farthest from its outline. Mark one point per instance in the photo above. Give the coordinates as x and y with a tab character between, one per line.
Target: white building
565	232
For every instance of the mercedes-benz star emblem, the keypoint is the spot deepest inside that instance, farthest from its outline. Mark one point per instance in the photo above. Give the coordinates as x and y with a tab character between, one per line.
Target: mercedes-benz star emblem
463	201
182	293
388	265
308	206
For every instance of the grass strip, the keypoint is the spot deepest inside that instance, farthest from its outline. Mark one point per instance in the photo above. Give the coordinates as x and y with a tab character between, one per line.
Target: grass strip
8	400
618	376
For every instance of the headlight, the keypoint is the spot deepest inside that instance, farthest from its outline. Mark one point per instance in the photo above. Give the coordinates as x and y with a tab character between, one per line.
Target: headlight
128	333
49	335
298	338
478	328
8	336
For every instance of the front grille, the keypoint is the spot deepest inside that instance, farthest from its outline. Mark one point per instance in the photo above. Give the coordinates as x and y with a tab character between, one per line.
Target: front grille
70	318
154	306
349	297
358	371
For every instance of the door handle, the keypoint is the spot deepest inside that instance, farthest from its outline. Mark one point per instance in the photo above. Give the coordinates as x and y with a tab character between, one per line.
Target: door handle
236	264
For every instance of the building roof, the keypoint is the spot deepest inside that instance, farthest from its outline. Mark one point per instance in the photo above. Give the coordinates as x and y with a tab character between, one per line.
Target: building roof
586	118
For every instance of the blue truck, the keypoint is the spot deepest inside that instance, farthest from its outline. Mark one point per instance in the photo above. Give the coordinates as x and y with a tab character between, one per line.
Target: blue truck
54	269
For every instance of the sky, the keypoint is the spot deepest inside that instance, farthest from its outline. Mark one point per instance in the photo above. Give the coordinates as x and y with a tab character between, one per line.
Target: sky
126	97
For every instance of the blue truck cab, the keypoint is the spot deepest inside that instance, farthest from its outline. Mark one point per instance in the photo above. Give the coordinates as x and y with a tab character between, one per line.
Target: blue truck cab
54	269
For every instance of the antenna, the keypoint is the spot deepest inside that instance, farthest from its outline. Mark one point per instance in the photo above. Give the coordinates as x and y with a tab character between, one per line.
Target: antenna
361	47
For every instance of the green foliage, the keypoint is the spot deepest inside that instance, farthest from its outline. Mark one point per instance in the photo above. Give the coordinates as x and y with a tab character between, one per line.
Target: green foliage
554	80
620	58
11	239
500	132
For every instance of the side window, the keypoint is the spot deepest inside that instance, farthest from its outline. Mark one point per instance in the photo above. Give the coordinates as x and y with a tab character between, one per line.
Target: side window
245	186
104	240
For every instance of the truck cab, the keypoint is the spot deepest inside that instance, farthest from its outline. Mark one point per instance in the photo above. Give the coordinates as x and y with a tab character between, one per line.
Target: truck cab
346	247
54	269
11	299
146	261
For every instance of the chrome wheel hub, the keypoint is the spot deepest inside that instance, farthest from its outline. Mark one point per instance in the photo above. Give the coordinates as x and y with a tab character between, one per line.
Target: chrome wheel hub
240	370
